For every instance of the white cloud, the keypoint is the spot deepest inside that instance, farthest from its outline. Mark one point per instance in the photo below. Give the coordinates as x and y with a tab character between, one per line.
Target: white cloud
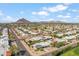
56	8
4	18
67	4
40	13
1	13
50	19
68	13
62	16
7	19
34	13
44	8
63	20
67	16
75	10
21	12
43	13
77	16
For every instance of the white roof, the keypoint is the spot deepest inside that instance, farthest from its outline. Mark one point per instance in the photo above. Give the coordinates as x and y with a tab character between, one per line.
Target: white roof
59	34
47	36
69	37
60	40
40	37
68	33
42	44
36	38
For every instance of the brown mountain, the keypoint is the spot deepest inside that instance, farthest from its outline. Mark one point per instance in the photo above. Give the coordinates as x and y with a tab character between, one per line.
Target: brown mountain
22	20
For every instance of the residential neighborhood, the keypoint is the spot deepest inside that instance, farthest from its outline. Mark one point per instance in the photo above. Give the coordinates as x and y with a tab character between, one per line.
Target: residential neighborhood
50	29
37	39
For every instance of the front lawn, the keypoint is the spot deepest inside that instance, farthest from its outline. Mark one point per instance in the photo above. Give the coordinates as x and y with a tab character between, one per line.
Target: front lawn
72	52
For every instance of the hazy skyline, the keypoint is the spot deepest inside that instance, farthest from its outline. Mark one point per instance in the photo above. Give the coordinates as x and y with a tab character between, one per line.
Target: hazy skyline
40	12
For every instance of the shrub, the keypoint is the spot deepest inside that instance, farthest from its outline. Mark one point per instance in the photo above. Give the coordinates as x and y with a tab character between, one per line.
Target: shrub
59	44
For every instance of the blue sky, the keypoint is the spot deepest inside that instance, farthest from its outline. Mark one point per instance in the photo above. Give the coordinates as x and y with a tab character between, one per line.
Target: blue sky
66	12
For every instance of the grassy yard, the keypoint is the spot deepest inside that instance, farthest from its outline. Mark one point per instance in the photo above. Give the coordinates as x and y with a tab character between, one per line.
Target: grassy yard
0	33
72	52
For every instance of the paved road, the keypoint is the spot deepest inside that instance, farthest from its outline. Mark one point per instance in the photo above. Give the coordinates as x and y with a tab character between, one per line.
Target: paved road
20	45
